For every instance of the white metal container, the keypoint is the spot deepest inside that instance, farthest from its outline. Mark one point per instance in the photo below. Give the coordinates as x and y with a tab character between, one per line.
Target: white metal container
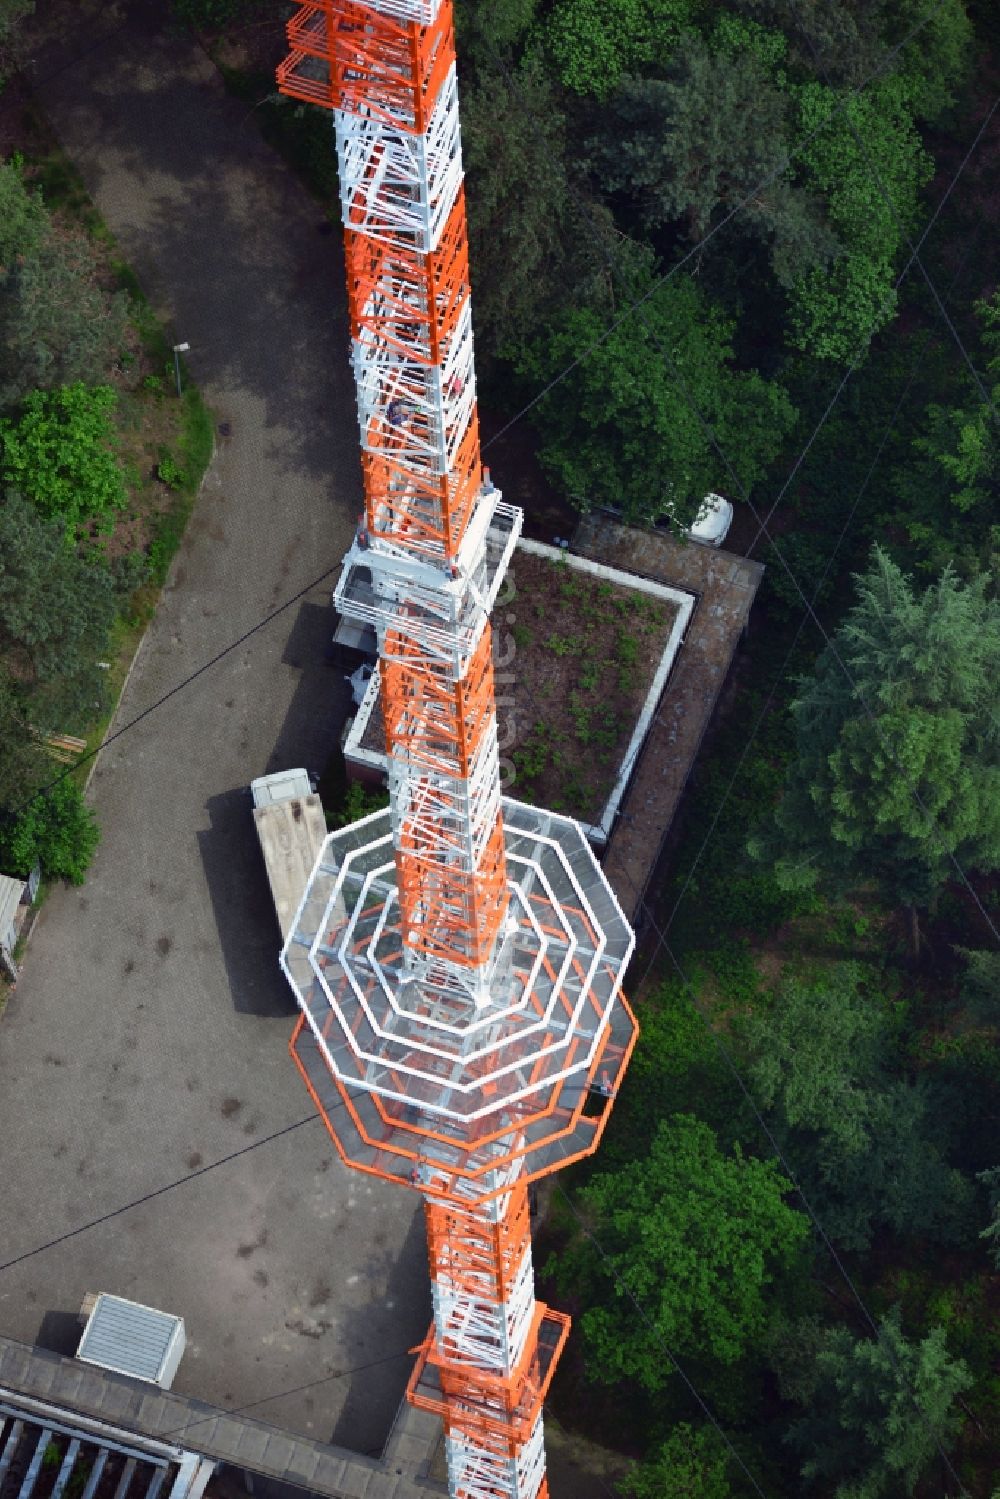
129	1338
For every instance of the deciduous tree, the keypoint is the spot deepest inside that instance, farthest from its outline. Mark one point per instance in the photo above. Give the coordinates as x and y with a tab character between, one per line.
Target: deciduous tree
696	1237
632	425
593	43
56	830
867	161
690	1464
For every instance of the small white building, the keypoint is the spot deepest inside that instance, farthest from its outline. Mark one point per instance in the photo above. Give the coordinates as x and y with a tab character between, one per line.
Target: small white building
129	1338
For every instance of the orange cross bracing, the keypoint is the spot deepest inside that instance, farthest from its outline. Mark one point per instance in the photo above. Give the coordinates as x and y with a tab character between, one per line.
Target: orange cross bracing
458	958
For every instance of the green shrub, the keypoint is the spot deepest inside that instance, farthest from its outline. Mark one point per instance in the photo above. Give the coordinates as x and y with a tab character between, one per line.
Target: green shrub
57	830
60	454
357	803
170	473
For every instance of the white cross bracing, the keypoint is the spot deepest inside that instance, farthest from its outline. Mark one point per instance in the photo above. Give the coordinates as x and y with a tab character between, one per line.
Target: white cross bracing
486	1062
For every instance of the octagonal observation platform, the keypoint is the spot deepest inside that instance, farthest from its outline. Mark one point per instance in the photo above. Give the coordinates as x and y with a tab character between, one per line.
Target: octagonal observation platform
417	1079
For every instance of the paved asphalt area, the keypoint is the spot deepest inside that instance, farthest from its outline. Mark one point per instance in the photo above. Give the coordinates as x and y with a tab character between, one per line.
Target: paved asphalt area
147	1036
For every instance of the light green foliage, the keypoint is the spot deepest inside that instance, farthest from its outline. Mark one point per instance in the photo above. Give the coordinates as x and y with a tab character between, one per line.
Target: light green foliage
60	453
696	1236
56	612
594	43
898	769
816	1049
625	430
358	802
736	37
868	150
878	1410
57	829
936	63
691	1464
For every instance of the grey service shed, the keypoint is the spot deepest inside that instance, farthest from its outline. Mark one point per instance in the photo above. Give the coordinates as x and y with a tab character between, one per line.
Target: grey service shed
129	1338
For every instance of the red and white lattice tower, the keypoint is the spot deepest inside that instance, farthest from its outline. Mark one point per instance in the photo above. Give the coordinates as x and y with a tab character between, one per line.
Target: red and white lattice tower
457	957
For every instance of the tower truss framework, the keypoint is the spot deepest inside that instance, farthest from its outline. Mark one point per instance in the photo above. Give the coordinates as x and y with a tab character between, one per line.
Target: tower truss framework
458	957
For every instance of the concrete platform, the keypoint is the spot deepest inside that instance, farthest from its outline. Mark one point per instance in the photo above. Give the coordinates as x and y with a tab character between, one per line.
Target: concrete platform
725	587
232	1438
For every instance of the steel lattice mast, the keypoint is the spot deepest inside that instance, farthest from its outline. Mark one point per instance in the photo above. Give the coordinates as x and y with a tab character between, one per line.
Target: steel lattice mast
458	957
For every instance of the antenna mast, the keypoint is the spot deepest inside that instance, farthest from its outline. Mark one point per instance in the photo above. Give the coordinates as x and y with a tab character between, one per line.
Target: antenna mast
458	957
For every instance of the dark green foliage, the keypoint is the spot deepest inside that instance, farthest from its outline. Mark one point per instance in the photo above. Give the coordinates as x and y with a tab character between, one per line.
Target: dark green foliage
56	830
991	1233
846	43
56	612
898	767
13	14
819	1054
695	1236
947	485
677	1069
899	1180
22	764
489	30
878	1410
631	425
527	239
358	802
815	1050
694	146
213	13
57	323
